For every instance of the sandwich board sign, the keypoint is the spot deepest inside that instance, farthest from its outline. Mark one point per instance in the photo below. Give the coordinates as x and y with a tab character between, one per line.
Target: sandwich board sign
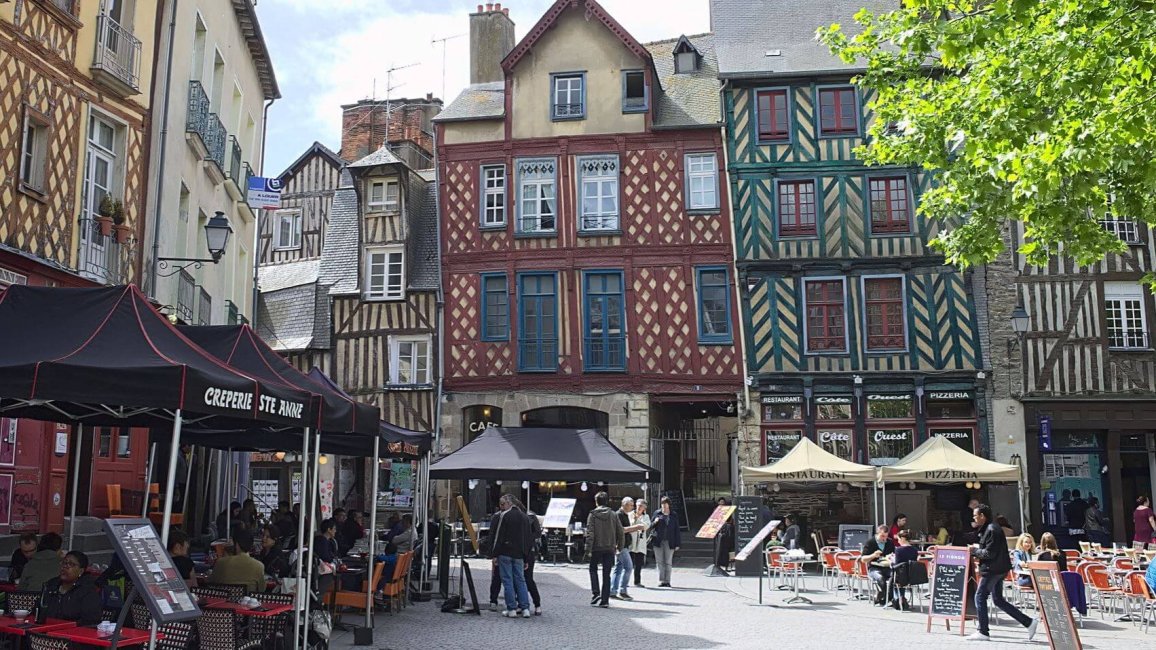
158	582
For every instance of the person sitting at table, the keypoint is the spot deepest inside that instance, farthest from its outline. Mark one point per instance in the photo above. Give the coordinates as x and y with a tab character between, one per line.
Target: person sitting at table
392	527
325	543
343	544
1050	552
248	514
21	555
44	564
904	552
179	549
1005	526
405	537
72	595
353	530
225	527
791	532
897	524
1021	555
876	548
388	557
271	555
237	567
942	536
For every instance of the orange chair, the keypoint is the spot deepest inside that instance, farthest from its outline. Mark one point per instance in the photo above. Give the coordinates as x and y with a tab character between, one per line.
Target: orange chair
845	565
156	515
775	563
1072	555
830	569
354	599
1101	586
397	589
1139	592
115	508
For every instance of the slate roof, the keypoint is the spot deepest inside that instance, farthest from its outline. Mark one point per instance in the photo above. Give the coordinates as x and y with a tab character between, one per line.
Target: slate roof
477	102
274	277
423	236
339	253
746	30
689	99
286	317
382	156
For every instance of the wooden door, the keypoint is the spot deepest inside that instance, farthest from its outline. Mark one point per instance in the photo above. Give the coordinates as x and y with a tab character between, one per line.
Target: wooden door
118	457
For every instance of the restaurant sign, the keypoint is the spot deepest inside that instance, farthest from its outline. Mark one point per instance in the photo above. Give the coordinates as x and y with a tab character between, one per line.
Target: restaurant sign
943	395
962	438
832	399
239	400
782	399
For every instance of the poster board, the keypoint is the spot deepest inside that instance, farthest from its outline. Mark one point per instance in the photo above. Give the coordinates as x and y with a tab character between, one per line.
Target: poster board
151	568
715	522
558	512
1052	603
852	537
748	521
756	541
678	507
467	523
949	586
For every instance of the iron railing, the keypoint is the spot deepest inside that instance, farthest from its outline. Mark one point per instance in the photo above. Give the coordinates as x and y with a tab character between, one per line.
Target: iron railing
235	160
101	256
197	117
232	313
204	308
186	294
538	355
605	352
215	139
249	173
117	50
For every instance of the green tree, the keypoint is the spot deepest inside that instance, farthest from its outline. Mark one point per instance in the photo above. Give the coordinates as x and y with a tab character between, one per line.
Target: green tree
1034	111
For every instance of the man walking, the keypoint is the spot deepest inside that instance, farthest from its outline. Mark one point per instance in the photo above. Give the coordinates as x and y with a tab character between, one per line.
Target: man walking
604	539
624	564
510	546
994	564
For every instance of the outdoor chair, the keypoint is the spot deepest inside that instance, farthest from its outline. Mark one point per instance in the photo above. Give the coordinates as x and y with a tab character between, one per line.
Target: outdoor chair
1077	595
1123	564
116	503
211	592
775	565
177	636
830	569
218	630
1141	593
1104	594
356	599
270	630
42	642
23	600
850	573
910	576
397	589
233	592
1072	555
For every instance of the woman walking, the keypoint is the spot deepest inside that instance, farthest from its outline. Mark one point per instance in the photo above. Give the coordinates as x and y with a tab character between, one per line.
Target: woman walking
1144	523
666	541
638	545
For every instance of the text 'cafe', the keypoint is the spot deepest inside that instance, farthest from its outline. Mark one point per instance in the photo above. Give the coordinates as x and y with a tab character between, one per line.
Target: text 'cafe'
866	426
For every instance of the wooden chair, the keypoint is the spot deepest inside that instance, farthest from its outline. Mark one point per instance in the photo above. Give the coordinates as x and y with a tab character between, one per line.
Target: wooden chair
357	599
115	502
218	630
397	589
156	515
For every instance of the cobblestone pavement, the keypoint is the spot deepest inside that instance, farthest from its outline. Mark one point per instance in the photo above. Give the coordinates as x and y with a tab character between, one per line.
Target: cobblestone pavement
699	612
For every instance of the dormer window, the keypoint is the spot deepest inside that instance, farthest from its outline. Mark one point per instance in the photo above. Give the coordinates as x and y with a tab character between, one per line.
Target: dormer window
686	56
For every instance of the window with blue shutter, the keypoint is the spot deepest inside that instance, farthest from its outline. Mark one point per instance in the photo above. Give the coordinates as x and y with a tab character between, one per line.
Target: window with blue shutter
604	337
495	307
537	322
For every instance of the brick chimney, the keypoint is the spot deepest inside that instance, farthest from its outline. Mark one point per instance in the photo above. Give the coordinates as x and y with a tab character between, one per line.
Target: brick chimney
491	39
364	130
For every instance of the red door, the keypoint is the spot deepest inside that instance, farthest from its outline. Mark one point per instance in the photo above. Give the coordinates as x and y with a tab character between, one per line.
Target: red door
119	456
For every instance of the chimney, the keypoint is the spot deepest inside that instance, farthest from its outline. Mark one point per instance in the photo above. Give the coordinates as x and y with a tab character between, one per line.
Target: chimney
491	39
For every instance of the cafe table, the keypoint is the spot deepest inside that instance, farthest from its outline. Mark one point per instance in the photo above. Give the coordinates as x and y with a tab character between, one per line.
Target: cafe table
799	563
272	609
88	635
9	625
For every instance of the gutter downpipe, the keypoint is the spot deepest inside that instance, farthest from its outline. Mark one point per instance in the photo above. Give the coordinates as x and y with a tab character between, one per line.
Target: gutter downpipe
257	229
440	306
161	154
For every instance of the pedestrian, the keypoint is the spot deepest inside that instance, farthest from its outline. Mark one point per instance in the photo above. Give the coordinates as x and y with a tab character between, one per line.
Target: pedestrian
726	541
1095	523
624	563
533	543
510	546
994	564
666	540
791	532
1143	522
638	546
604	538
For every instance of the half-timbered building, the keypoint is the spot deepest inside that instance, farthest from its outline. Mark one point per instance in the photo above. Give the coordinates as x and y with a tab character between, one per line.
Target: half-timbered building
857	335
586	252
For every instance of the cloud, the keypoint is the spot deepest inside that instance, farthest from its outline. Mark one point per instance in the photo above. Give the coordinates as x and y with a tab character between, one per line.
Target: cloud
340	51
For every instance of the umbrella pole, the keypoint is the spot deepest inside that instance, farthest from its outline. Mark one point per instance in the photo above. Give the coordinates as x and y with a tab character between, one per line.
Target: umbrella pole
301	599
884	502
228	495
423	475
75	481
372	527
316	487
149	469
188	482
1023	515
172	478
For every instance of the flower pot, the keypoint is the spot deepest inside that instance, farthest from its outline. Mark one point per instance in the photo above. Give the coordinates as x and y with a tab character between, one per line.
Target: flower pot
123	233
105	225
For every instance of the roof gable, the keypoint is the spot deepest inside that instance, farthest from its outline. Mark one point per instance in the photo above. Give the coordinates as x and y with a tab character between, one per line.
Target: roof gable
317	149
556	11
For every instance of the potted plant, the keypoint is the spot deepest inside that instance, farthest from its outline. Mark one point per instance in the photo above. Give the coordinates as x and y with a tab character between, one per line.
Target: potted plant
104	215
123	232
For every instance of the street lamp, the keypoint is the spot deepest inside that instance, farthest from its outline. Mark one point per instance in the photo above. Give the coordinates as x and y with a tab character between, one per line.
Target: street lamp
1020	321
217	232
1019	318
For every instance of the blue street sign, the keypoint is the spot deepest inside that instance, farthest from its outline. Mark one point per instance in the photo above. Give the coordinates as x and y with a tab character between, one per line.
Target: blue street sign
1045	433
264	193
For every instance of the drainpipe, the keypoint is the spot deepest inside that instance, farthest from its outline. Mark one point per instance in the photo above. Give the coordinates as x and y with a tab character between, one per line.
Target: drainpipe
163	148
257	230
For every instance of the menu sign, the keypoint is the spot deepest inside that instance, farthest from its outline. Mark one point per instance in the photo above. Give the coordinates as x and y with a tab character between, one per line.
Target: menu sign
949	585
715	522
1052	601
144	556
747	525
558	512
749	549
852	537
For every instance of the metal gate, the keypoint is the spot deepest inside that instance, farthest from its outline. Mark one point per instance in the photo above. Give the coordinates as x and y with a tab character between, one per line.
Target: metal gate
694	458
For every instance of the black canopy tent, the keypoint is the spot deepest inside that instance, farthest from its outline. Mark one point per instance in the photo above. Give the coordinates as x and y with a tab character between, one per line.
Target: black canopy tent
539	454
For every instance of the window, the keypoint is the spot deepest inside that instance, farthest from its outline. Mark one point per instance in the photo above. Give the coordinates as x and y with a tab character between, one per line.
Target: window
493	196
495	308
34	151
1124	304
826	316
409	360
685	62
889	407
776	444
890	209
598	180
887	446
114	439
1125	229
714	307
797	209
702	181
569	96
385	271
536	192
886	326
832	407
634	95
384	196
288	225
538	324
837	442
778	408
838	112
774	124
605	337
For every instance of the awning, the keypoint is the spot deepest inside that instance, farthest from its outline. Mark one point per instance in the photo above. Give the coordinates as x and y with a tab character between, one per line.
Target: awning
540	454
807	462
941	461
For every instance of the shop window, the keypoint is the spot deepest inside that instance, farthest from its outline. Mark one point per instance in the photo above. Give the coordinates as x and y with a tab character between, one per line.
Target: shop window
888	407
952	410
776	444
963	438
837	442
887	446
476	419
567	417
832	408
781	409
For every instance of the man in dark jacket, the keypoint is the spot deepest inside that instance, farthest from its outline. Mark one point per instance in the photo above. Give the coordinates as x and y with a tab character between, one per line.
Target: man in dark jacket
510	547
604	538
994	564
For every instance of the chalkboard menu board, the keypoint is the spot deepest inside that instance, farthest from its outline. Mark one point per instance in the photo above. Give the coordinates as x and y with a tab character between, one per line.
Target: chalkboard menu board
852	537
1052	600
151	569
678	507
748	521
949	585
555	543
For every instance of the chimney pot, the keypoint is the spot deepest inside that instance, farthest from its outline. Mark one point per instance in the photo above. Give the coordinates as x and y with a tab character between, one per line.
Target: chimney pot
489	7
497	6
480	8
506	11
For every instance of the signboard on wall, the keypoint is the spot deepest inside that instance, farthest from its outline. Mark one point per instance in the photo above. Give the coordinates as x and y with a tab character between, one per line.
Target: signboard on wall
6	481
8	441
264	193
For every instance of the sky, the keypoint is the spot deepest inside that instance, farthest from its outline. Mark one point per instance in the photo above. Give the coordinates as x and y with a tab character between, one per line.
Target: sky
332	52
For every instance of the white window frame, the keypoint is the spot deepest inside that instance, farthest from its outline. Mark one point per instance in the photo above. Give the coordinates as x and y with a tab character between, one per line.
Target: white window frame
279	217
389	290
598	180
395	345
1127	230
494	185
539	187
1129	303
385	204
702	181
685	62
34	155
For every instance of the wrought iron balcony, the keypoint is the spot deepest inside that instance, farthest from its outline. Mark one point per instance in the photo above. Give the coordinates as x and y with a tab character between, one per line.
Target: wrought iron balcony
232	313
215	140
101	257
197	116
116	63
204	308
538	355
186	294
234	159
605	352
